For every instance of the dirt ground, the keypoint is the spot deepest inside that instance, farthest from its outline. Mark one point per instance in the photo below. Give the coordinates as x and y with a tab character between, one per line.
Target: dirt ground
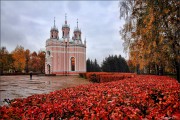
21	86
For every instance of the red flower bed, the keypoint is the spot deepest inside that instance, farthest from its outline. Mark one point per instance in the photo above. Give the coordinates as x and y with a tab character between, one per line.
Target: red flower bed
140	97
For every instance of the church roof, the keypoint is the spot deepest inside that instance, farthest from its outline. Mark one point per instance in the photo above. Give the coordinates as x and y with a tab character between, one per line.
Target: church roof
71	41
65	25
61	39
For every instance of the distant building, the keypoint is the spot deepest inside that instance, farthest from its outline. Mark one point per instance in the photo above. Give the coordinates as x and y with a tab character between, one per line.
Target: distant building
65	56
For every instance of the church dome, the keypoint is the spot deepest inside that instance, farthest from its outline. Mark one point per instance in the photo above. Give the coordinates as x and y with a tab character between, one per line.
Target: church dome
54	28
77	30
65	26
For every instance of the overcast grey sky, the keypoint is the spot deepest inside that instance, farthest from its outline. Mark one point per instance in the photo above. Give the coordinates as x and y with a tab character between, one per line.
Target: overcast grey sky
28	23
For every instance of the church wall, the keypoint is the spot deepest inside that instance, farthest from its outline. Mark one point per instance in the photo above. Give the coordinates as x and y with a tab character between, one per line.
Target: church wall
58	61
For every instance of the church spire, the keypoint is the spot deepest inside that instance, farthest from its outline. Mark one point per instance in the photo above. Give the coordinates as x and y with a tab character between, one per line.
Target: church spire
77	23
65	28
77	32
54	31
65	25
54	22
65	18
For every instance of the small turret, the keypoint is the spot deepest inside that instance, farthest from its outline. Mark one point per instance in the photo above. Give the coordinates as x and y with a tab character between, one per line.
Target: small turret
77	32
54	32
65	29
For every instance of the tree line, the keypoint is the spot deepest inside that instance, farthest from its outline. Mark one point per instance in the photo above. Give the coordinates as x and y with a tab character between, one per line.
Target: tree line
112	63
21	60
151	35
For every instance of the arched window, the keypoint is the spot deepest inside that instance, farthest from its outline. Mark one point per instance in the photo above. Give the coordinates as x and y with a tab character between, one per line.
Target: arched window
48	53
49	69
63	33
72	64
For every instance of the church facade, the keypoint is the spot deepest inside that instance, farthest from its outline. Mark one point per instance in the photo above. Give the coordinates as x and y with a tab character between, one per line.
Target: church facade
65	55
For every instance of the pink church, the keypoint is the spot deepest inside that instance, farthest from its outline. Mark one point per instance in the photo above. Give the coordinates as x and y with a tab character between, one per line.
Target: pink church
65	56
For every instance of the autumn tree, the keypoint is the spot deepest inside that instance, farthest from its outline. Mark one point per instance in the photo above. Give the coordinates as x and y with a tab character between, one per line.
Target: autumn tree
27	58
34	62
19	58
41	56
6	60
151	33
131	66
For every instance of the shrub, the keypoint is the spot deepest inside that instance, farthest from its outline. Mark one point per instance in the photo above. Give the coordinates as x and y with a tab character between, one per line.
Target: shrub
139	97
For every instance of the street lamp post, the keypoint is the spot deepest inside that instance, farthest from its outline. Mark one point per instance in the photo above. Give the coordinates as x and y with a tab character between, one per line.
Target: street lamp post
66	59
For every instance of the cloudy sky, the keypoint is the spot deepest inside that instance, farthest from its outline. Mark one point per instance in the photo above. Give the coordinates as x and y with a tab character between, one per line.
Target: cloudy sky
28	23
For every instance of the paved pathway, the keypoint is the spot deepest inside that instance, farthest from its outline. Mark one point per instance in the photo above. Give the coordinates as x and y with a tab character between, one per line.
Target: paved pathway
21	86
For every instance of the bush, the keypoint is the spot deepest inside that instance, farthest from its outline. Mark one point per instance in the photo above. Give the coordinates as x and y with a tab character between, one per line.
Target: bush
100	77
82	75
50	74
139	97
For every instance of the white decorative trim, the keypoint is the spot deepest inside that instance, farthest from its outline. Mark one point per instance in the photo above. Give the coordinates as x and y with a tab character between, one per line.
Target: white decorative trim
61	46
67	71
65	52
